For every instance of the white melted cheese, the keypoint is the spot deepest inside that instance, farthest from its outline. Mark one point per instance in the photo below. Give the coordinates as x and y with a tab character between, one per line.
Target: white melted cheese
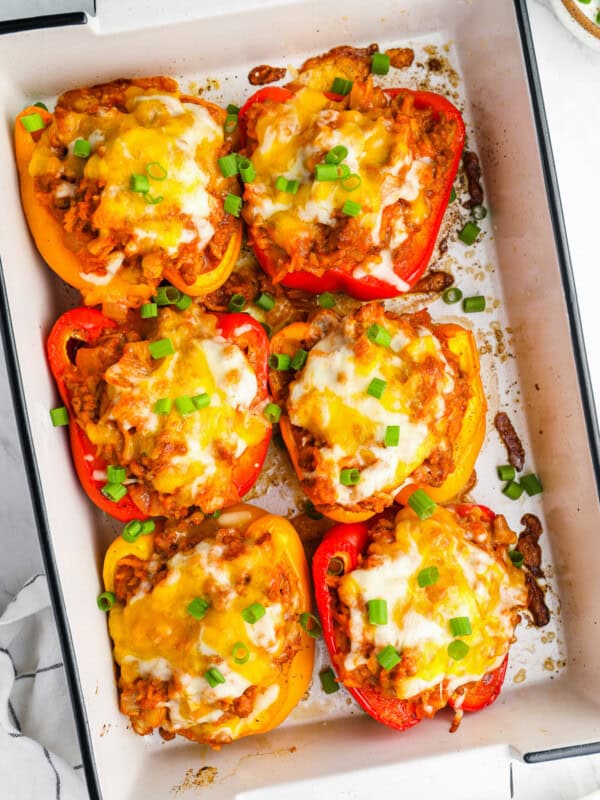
209	557
382	268
264	632
111	267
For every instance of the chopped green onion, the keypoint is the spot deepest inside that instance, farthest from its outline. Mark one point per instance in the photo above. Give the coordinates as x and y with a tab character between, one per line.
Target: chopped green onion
184	405
106	601
299	359
311	511
265	301
336	565
378	611
214	677
460	626
149	310
161	348
246	170
228	165
115	474
59	416
517	557
328	681
280	361
139	183
350	183
231	123
336	155
531	483
469	233
389	657
201	401
152	199
506	472
597	23
163	406
428	577
343	171
198	607
310	624
341	86
167	295
82	148
39	104
114	491
452	295
267	328
132	530
237	302
185	301
349	477
458	649
272	412
513	490
33	122
233	204
216	514
326	300
233	109
253	613
421	504
156	171
380	64
392	436
452	195
283	185
148	526
351	209
376	388
378	335
326	172
479	212
240	653
473	304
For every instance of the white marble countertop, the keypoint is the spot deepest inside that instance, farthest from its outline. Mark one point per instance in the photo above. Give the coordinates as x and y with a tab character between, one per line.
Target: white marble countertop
570	75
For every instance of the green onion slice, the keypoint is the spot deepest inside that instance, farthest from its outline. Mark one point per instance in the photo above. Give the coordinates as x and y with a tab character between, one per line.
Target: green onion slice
349	477
283	185
469	233
149	310
380	64
59	416
452	195
389	657
214	677
310	510
392	436
198	607
336	566
184	405
266	301
231	123
513	490
153	199
115	474
272	412
163	406
201	401
343	171
351	209
246	170
326	300
240	653
253	613
376	388
132	530
216	514
506	472
280	361
326	172
428	577
517	558
233	204
378	335
161	348
350	183
185	301
82	148
148	526
167	295
139	183
114	491
458	649
341	86
473	304
460	626
479	212
267	328
33	122
228	165
299	359
336	155
328	681
237	302
233	109
106	601
156	171
422	504
39	104
310	624
378	611
452	295
532	484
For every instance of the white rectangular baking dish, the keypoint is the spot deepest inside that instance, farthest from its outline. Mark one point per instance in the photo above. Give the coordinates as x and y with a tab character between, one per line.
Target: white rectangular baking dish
533	366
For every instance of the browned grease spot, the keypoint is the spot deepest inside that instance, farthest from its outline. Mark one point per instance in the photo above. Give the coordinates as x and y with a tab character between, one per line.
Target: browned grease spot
520	676
105	729
196	778
264	73
400	57
549	665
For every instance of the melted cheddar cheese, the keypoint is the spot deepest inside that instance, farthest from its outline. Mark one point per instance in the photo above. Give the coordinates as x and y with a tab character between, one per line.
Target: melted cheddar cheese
190	457
329	399
291	138
474	582
157	640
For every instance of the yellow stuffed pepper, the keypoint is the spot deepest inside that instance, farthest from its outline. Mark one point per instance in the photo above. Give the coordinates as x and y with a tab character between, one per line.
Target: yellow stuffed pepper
211	625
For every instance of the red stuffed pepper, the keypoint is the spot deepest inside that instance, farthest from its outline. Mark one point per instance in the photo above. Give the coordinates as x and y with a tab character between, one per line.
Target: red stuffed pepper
352	180
420	613
167	413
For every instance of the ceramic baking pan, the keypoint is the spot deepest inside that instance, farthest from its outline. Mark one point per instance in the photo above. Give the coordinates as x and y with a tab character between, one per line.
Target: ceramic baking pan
479	53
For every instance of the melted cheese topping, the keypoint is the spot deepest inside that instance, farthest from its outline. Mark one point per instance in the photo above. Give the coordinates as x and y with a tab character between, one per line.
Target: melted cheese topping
472	583
155	636
294	136
191	456
329	398
181	137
